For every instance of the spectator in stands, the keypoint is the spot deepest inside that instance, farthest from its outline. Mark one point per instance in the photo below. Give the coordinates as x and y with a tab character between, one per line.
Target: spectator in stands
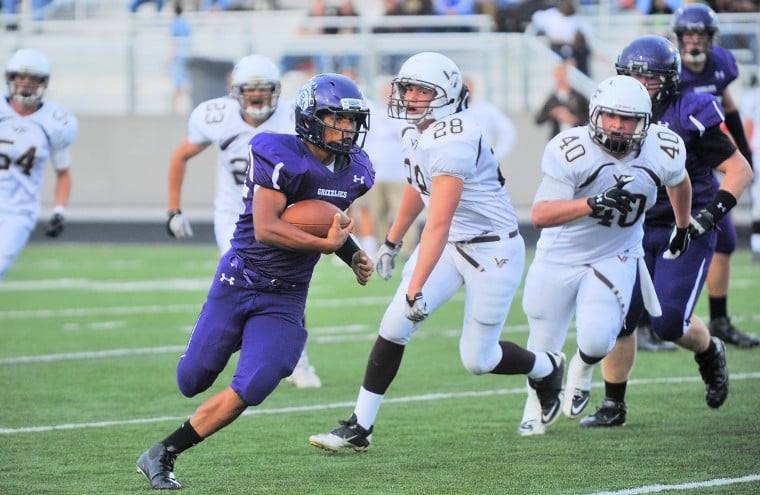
653	7
135	4
390	64
566	32
565	107
751	112
496	125
206	5
181	45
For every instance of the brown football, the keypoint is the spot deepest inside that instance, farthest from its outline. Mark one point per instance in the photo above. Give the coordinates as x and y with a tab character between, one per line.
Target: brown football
313	216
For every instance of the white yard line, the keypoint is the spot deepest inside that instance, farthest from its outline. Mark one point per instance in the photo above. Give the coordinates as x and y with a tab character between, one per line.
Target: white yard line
322	407
682	486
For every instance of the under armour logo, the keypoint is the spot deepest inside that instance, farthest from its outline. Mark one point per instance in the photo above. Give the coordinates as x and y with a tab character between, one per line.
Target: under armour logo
500	262
358	179
721	207
224	278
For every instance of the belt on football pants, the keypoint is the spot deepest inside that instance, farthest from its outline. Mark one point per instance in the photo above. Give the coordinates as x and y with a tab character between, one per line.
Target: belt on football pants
477	240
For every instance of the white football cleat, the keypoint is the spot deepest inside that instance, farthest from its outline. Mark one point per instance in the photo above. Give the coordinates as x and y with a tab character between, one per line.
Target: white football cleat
531	421
304	375
578	388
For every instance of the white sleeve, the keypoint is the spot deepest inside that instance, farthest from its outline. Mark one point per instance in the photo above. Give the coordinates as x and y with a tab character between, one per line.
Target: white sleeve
550	189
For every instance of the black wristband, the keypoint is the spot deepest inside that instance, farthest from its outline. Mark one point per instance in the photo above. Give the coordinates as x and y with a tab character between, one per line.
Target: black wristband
171	213
721	205
349	248
392	245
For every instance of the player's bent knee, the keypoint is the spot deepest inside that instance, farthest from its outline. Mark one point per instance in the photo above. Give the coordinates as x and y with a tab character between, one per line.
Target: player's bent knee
670	325
191	382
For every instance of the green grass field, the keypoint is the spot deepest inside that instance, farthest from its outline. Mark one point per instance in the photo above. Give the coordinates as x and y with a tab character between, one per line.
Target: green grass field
91	336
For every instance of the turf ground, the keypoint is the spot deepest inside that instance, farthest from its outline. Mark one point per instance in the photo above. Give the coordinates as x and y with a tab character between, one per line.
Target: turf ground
91	335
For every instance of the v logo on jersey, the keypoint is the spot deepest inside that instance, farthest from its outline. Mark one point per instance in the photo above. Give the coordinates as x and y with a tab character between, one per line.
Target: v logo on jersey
500	262
224	278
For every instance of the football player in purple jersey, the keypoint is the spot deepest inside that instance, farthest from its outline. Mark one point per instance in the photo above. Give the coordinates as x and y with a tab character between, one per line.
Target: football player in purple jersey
708	68
696	118
258	294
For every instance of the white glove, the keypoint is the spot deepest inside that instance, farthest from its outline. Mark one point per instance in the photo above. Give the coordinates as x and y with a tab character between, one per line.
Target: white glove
416	309
178	226
386	258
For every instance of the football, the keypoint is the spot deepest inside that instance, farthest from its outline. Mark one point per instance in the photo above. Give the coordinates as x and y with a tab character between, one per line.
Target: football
313	216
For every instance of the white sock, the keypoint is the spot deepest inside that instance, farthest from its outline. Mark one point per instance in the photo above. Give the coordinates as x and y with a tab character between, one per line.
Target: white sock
367	406
542	367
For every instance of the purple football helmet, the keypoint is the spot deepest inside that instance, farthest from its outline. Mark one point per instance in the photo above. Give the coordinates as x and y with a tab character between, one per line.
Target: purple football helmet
656	57
695	19
335	94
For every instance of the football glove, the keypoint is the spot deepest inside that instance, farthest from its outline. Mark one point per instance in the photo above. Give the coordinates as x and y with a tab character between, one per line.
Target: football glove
614	197
702	223
54	227
416	309
178	226
679	242
386	258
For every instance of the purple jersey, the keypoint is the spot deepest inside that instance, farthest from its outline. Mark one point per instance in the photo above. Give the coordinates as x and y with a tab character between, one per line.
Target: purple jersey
720	70
688	115
282	162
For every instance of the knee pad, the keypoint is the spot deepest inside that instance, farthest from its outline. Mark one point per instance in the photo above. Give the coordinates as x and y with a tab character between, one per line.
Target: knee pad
670	325
193	379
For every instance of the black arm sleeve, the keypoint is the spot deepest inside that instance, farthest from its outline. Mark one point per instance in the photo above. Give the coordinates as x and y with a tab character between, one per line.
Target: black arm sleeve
714	147
735	127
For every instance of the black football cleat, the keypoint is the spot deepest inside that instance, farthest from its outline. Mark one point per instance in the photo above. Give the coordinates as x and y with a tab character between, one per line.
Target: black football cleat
715	374
612	413
549	389
348	435
157	464
722	328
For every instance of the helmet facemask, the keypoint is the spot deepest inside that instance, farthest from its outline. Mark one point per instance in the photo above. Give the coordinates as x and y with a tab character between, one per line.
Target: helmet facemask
29	93
621	96
415	111
262	103
617	142
351	140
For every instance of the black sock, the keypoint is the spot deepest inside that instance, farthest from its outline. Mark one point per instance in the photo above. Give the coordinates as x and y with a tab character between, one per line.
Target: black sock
615	391
183	438
709	351
718	307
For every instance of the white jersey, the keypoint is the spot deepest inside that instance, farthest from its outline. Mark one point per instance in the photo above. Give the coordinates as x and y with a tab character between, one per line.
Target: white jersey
26	144
219	121
576	167
455	146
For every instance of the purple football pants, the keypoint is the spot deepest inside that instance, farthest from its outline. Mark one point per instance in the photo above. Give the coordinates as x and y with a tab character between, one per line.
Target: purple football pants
678	282
263	318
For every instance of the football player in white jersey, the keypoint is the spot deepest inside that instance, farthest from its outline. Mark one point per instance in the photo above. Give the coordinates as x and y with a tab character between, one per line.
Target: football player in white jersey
229	122
598	181
470	239
32	131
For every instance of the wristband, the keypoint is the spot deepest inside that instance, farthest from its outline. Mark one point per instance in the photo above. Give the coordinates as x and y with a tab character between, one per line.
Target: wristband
171	213
59	210
349	248
392	245
721	205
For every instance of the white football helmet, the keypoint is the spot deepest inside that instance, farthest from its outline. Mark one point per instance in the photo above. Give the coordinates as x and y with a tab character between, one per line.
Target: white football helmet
31	62
620	95
256	72
433	71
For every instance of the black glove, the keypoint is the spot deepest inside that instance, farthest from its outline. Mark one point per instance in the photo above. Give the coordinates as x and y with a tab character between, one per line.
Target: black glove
614	197
701	224
679	242
54	227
